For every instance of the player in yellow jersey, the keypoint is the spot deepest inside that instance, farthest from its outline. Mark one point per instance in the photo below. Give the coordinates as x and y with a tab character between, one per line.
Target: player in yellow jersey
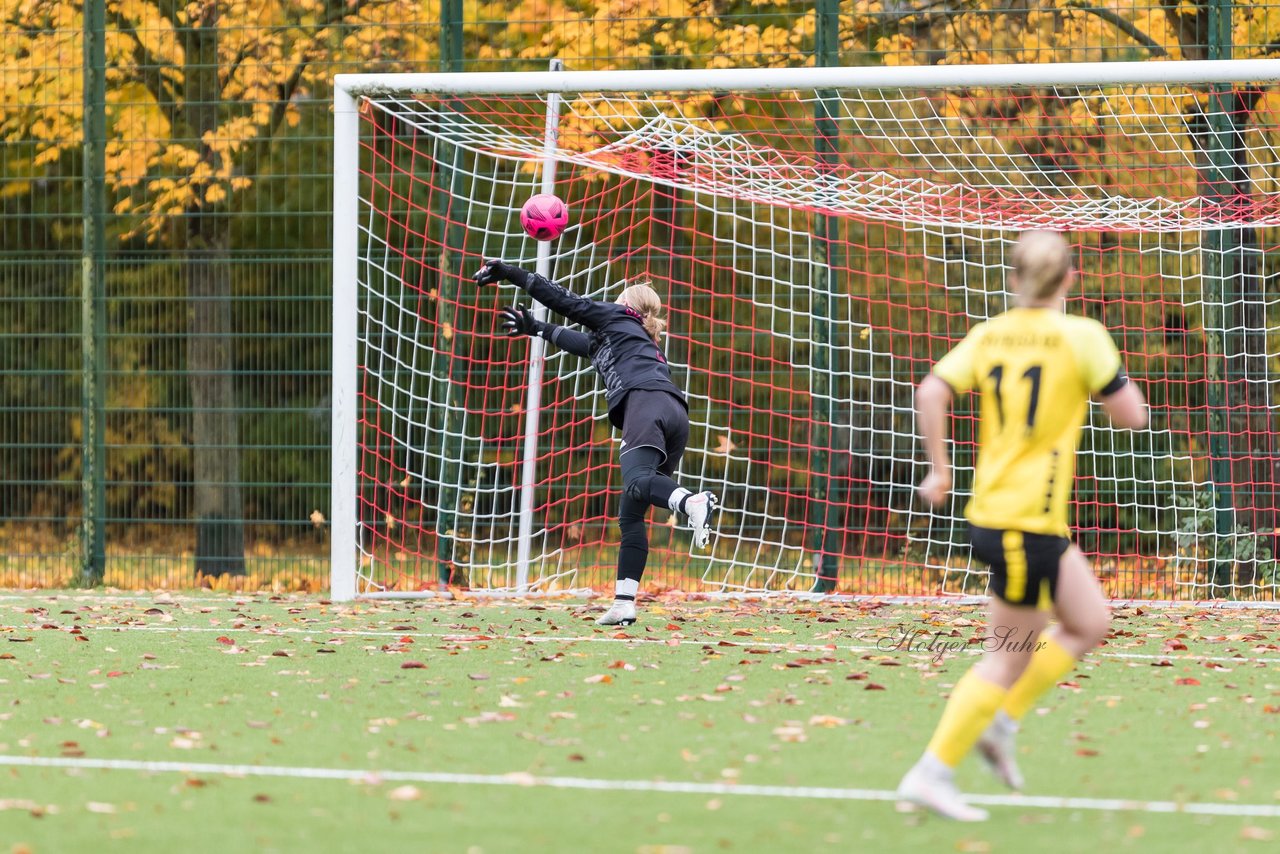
1036	369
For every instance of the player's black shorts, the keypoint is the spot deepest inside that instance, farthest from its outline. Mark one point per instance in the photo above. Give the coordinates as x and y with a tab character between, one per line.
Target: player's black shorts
1024	567
656	419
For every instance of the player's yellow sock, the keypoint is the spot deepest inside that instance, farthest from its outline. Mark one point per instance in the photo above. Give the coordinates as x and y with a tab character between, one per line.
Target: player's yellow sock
974	702
1048	664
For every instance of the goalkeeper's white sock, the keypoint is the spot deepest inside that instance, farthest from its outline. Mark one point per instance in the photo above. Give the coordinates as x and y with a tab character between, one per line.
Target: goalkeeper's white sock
676	499
626	589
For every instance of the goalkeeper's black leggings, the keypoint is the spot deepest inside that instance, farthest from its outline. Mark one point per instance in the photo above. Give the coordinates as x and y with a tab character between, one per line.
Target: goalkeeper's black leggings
654	434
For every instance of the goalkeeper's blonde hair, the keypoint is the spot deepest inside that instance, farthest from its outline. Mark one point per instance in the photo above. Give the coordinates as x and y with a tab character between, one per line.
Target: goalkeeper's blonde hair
1041	264
639	294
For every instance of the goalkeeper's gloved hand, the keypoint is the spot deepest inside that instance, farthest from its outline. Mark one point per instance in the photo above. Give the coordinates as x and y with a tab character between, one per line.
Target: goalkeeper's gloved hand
493	271
518	320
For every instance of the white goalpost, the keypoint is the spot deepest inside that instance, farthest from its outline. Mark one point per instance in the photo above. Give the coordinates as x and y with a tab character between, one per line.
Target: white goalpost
820	237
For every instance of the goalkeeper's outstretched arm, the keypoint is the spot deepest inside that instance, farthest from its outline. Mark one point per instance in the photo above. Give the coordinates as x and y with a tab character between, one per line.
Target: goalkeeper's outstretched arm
559	299
518	320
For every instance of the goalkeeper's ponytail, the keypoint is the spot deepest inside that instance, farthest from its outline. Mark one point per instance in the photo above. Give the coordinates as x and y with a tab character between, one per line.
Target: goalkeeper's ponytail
640	295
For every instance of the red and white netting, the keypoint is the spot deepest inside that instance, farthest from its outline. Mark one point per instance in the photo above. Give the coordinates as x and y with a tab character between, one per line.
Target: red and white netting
807	293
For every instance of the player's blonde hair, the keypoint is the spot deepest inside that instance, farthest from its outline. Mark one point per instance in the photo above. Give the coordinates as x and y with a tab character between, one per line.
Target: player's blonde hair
1041	263
639	294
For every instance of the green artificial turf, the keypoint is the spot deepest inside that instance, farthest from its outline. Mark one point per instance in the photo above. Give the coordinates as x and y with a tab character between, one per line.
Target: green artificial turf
784	694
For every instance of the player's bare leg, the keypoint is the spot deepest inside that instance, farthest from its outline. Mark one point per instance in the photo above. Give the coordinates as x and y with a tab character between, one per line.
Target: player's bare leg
1084	617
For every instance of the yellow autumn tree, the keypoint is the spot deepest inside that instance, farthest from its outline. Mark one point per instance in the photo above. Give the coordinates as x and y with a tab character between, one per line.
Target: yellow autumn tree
197	94
603	34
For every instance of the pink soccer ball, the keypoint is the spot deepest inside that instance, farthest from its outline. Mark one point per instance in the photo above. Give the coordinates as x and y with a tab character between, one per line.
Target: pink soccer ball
544	216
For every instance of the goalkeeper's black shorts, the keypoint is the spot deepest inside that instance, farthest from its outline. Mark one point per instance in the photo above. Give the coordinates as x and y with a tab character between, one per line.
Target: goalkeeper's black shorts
659	420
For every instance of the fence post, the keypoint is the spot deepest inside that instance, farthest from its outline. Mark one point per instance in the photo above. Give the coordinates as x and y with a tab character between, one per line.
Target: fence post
93	296
824	514
1220	260
451	35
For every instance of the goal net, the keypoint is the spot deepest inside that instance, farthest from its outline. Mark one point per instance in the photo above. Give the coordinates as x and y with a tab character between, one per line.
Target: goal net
820	238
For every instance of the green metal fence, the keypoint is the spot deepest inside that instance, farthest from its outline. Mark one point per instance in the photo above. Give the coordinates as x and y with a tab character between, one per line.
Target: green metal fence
165	230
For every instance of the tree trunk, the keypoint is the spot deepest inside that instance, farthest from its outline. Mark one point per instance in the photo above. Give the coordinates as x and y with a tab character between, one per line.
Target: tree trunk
215	436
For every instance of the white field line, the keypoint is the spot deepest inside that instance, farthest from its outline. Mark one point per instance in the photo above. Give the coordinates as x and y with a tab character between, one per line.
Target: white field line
918	645
594	784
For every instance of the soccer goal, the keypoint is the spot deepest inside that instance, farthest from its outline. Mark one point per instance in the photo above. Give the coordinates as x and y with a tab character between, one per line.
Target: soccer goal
820	237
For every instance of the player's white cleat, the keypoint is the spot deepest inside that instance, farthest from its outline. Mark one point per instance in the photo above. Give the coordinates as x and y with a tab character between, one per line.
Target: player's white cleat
935	790
699	509
997	749
623	613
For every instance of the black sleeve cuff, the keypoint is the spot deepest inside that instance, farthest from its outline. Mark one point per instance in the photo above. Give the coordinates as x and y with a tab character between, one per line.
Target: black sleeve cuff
1117	383
516	276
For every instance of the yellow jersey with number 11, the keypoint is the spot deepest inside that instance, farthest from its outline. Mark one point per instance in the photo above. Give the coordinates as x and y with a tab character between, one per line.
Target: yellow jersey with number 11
1036	369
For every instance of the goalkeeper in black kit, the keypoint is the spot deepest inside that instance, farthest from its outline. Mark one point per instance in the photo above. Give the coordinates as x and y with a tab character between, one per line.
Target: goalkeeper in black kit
623	343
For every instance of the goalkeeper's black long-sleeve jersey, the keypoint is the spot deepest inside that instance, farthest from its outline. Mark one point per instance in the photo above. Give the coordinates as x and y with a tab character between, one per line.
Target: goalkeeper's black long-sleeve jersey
617	345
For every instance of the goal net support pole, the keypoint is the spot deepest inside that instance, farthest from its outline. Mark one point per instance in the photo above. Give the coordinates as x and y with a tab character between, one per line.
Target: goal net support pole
344	438
537	358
